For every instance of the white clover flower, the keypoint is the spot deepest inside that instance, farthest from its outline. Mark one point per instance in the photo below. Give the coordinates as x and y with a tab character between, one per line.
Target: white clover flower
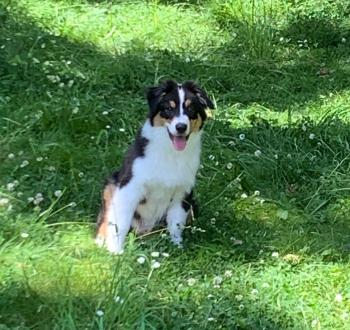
244	195
211	157
187	60
43	45
241	136
24	235
191	281
30	199
108	126
70	83
37	201
39	159
4	201
254	292
228	273
155	254
81	174
241	307
217	280
229	166
155	264
211	319
239	297
281	39
343	40
236	241
105	113
24	163
166	255
99	313
345	316
72	204
75	110
61	85
338	298
275	156
315	323
312	136
92	137
289	156
52	168
11	156
275	254
141	260
119	300
256	193
257	153
121	129
58	193
11	186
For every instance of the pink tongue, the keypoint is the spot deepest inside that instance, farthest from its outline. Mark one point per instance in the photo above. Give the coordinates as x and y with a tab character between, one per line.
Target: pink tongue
179	142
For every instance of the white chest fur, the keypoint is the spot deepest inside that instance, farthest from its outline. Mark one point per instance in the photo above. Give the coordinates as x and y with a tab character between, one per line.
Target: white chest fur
163	165
164	173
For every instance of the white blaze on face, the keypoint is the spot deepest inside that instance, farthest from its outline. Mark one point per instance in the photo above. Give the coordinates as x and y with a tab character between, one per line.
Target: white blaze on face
179	141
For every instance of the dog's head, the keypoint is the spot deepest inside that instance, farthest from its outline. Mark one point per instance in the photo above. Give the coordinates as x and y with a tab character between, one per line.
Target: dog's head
180	108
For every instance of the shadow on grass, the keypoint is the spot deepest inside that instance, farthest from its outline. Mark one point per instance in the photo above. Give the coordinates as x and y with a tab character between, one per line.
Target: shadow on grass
305	188
32	310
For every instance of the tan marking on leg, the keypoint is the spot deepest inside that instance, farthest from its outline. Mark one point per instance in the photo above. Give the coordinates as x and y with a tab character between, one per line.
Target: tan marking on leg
196	124
108	193
188	103
172	104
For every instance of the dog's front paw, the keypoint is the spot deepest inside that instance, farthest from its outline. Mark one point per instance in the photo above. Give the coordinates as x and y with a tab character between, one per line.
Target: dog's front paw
177	241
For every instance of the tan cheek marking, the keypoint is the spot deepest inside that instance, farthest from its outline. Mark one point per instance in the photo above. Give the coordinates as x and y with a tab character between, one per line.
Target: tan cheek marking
159	121
196	124
172	104
108	193
188	103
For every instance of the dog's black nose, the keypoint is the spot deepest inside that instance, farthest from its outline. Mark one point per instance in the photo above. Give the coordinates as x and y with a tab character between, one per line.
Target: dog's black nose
181	128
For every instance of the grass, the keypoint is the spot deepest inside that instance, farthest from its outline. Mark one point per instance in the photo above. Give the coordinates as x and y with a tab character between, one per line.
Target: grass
270	247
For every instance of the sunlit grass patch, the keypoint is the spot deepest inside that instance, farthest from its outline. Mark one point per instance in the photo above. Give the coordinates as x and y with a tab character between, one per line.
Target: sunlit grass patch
118	27
269	248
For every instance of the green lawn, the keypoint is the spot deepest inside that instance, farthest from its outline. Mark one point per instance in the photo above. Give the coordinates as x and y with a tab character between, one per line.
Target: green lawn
270	247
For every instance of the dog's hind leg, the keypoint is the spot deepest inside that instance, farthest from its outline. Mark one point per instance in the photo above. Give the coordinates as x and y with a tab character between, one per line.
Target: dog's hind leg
120	215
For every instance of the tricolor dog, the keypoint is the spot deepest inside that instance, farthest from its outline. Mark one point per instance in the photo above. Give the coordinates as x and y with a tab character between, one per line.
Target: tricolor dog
158	174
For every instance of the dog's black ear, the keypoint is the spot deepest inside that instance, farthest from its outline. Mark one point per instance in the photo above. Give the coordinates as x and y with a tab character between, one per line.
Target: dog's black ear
155	94
201	95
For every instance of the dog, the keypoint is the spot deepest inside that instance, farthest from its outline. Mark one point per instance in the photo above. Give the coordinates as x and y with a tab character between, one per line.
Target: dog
158	174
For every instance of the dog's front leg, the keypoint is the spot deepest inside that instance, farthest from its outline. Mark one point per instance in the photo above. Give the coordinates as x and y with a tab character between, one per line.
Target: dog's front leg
120	215
176	221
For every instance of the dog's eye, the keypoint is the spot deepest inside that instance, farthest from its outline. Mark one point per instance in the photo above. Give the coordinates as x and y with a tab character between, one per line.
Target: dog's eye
191	113
167	111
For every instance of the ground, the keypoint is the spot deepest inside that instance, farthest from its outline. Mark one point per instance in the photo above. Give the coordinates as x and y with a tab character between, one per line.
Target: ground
270	246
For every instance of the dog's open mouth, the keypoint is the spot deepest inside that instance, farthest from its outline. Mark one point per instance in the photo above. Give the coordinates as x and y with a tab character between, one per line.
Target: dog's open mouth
179	141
